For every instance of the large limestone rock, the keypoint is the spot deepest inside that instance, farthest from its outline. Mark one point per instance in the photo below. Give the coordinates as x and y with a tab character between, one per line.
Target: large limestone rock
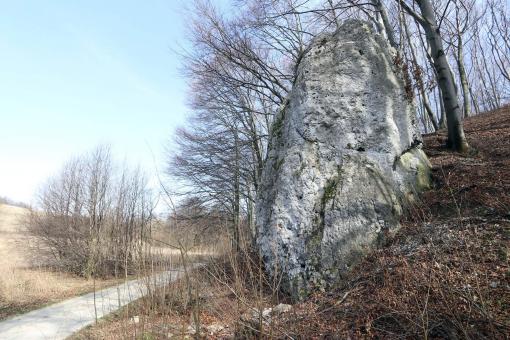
344	158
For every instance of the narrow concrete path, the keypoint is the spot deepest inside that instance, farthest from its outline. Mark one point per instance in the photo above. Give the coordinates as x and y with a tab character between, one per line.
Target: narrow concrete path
61	320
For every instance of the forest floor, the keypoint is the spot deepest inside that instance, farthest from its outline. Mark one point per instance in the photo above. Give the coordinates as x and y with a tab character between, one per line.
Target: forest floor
443	275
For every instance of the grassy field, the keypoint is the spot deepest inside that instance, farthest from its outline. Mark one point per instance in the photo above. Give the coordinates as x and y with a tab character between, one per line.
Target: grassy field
26	282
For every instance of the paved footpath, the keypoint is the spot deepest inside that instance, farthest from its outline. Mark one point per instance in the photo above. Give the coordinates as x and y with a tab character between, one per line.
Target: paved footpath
62	319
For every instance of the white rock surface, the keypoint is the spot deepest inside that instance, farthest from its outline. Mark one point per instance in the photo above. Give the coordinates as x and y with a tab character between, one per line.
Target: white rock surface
281	308
344	157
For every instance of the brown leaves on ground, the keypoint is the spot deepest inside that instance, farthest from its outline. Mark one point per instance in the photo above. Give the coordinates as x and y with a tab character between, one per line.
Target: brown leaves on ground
442	281
445	274
476	184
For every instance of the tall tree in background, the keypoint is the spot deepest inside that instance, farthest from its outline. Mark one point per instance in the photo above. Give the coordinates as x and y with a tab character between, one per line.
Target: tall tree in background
427	19
242	65
464	12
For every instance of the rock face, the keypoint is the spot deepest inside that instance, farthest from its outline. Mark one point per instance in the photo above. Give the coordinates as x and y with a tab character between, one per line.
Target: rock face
344	159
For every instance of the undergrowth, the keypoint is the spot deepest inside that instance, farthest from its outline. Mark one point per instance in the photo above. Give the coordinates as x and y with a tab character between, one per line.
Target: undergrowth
443	275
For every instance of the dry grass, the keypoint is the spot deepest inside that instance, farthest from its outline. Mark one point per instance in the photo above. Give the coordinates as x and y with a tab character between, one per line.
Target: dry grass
444	275
26	282
222	291
167	313
22	290
13	238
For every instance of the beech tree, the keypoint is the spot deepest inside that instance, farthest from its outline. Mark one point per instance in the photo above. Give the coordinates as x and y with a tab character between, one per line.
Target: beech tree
241	68
427	19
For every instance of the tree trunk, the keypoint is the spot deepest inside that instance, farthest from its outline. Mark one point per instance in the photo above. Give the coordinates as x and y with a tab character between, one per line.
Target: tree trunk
259	160
475	100
419	80
385	22
429	111
237	196
463	78
456	139
442	119
251	212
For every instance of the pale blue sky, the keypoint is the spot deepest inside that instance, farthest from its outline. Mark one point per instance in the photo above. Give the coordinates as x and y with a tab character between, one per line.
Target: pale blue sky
74	74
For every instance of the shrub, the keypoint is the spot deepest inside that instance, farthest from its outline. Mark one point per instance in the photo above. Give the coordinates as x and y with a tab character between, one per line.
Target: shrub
92	219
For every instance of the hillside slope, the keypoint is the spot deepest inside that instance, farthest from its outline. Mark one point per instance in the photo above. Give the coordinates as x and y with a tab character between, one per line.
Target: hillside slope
12	233
445	274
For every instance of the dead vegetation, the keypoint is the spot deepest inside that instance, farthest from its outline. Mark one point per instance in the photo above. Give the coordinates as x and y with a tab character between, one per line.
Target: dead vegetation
443	275
94	217
23	290
229	297
26	284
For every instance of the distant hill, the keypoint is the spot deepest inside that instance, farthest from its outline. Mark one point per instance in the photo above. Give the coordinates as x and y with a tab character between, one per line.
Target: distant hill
12	234
8	201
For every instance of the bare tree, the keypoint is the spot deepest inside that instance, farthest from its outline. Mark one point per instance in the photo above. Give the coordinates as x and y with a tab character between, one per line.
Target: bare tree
90	219
499	36
427	19
241	68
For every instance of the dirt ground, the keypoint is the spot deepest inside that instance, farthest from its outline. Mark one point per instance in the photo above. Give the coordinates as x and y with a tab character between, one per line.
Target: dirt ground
444	274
